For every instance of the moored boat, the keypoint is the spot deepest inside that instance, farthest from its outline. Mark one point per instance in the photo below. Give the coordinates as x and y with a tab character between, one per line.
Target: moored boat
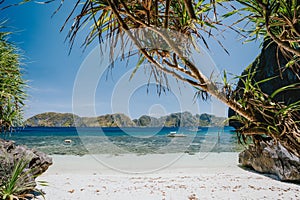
67	141
175	134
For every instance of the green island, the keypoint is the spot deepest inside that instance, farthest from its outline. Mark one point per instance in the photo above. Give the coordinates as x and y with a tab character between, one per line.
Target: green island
185	119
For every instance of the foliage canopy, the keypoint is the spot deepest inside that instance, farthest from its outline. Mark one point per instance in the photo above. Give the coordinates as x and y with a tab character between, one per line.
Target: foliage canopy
273	20
161	21
12	85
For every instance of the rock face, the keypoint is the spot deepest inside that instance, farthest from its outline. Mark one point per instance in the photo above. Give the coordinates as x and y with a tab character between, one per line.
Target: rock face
38	162
271	157
267	65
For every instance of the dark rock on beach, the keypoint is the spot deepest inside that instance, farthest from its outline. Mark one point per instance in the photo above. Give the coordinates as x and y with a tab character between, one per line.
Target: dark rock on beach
10	153
271	157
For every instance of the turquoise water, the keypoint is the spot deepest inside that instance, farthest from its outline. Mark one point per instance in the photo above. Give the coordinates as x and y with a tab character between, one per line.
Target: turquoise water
126	140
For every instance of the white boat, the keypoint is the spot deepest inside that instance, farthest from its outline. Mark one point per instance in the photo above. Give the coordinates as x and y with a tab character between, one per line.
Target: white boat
175	134
67	141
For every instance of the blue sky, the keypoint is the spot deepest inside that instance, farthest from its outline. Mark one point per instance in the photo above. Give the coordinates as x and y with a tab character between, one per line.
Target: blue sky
51	71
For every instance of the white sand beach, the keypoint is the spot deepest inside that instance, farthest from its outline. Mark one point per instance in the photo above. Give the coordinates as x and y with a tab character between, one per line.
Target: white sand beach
159	176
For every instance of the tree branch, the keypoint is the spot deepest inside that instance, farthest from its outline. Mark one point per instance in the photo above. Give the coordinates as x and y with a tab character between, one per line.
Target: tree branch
269	31
190	9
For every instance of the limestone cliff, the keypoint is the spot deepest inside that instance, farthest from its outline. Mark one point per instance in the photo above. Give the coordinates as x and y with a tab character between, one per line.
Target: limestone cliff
271	63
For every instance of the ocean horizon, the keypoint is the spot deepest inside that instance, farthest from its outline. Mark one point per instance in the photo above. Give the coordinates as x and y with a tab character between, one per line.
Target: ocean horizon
125	140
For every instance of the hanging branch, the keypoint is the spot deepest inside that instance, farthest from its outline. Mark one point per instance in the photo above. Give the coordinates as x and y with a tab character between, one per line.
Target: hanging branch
116	17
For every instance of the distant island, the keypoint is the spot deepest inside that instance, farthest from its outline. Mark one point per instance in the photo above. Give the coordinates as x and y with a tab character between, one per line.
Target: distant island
183	119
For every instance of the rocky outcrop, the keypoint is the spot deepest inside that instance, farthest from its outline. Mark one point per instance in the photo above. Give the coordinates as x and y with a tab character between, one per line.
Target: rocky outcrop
10	153
271	63
271	157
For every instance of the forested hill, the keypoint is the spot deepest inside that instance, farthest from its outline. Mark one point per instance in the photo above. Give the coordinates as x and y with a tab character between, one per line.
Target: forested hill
185	119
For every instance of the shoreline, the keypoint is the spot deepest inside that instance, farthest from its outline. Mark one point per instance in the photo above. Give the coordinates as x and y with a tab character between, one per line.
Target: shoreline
200	176
141	164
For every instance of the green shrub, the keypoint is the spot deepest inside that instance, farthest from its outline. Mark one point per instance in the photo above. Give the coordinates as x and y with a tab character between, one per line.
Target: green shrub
16	181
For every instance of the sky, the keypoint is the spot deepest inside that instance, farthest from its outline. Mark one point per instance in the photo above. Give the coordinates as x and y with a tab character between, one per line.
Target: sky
53	73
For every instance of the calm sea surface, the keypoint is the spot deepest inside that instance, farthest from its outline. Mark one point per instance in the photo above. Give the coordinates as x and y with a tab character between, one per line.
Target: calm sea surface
80	141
